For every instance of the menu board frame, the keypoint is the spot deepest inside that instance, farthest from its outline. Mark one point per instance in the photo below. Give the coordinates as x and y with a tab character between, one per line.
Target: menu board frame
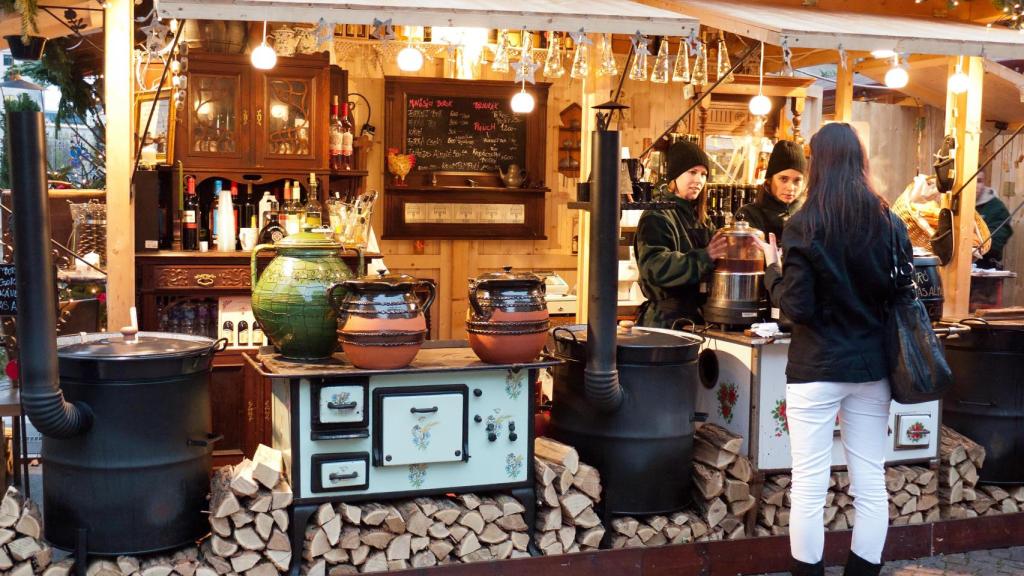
479	204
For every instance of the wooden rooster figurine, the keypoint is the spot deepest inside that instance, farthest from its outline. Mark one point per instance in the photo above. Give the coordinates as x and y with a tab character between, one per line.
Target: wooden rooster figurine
400	165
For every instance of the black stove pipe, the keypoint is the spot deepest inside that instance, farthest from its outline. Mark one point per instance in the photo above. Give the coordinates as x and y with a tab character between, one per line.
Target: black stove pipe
601	375
37	307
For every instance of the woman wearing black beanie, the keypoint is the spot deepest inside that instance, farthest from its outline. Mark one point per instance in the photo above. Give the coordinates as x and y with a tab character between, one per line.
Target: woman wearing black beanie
676	249
780	193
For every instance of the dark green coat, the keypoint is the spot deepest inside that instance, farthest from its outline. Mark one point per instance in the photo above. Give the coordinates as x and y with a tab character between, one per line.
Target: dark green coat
767	214
673	262
994	212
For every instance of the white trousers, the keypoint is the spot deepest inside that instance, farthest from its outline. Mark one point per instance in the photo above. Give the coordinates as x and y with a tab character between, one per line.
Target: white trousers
863	411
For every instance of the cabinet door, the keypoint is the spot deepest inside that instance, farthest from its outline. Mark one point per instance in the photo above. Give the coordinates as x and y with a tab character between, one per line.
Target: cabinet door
291	118
216	120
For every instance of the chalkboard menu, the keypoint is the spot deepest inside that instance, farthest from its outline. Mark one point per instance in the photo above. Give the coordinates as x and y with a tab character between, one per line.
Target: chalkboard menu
463	133
8	291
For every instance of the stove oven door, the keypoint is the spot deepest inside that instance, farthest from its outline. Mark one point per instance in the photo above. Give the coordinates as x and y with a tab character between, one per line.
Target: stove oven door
420	425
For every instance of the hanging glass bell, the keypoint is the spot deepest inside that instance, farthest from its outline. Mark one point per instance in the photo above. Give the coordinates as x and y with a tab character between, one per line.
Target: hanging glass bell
724	64
699	75
500	63
638	71
553	63
580	61
608	65
681	70
662	64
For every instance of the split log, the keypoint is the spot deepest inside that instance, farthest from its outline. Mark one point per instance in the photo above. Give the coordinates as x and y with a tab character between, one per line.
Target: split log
509	505
31	522
741	469
472	520
448	512
359	555
248	539
416	520
424	559
586	519
242	483
550	519
718	436
222	500
470	501
378	539
269	465
441	548
278	541
741	507
467	545
573	503
374	514
280	519
350	513
281	496
592	537
244	561
625	525
711	455
554	451
264	525
281	559
223	547
400	548
713	511
514	523
736	490
710	481
489	510
588	480
548	495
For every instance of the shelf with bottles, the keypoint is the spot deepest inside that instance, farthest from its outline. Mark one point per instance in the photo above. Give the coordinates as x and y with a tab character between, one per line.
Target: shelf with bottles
227	317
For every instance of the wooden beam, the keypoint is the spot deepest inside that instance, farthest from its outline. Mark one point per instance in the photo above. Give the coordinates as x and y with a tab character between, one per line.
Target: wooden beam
963	120
118	95
844	91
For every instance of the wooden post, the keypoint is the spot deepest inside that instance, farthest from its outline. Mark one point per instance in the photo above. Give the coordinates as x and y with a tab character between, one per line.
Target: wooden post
118	101
844	91
963	120
796	105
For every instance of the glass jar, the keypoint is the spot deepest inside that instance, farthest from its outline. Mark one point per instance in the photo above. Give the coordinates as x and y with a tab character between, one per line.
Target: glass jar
742	253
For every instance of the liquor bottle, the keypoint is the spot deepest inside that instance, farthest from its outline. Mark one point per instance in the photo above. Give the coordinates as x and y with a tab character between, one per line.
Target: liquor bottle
298	208
346	139
272	231
243	333
257	334
236	209
314	217
337	132
214	221
286	211
190	224
228	332
267	205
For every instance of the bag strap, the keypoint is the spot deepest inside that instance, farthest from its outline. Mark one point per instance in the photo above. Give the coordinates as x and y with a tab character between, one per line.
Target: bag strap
900	280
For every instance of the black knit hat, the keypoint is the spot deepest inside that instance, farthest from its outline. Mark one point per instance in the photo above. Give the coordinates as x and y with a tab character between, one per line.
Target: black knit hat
682	156
786	155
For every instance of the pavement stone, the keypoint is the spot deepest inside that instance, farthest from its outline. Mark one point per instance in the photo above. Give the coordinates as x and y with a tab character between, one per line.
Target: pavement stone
997	562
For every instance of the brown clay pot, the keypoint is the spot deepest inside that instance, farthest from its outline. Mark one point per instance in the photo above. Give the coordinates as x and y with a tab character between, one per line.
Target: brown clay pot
508	317
381	319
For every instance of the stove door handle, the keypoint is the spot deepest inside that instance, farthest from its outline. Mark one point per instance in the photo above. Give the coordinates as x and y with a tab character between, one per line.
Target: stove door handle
335	477
415	410
342	405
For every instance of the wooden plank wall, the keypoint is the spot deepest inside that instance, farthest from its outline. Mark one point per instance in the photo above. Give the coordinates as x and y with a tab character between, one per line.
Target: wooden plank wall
451	262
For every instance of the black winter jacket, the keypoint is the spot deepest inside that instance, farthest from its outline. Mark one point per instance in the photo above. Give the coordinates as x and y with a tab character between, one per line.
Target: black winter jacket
768	214
836	296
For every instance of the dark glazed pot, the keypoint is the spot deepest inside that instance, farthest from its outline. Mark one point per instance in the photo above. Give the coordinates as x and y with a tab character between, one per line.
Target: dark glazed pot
508	316
382	322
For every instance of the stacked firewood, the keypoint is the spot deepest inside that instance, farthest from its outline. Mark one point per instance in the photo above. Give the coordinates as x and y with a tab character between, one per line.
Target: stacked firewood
913	495
649	531
181	563
567	491
249	518
376	537
990	500
960	461
721	477
773	513
22	549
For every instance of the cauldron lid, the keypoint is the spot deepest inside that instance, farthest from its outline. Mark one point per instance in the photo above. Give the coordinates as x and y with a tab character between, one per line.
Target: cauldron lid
109	345
640	344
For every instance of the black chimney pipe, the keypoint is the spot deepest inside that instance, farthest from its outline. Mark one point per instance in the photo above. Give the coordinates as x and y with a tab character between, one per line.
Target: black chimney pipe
37	307
601	376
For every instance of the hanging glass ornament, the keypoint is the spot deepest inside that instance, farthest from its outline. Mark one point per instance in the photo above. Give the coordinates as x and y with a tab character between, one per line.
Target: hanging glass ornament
681	71
581	57
553	63
500	63
608	65
638	71
662	64
724	64
699	75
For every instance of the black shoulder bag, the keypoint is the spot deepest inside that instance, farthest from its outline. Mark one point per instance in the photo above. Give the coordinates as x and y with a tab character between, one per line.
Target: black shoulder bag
918	371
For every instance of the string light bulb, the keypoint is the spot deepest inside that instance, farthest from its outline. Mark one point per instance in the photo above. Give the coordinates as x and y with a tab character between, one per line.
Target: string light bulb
263	56
522	102
896	77
760	105
409	59
959	82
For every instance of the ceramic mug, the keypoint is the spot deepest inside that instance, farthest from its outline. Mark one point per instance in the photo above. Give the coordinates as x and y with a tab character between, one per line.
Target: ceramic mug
247	237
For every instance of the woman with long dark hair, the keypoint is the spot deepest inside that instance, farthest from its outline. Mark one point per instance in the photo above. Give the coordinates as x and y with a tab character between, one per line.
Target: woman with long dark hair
835	285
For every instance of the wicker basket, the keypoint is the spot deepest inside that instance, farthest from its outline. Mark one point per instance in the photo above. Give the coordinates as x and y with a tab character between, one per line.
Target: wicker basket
920	228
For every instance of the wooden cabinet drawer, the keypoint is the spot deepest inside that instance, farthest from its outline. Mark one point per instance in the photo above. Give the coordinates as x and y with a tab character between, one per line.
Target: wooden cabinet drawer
199	277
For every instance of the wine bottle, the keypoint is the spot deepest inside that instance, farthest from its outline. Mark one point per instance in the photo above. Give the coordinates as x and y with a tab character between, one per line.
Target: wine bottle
346	138
336	138
243	333
272	231
236	210
190	224
314	217
228	332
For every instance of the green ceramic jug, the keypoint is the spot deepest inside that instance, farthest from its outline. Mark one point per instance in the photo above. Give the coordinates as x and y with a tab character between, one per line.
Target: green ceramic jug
289	299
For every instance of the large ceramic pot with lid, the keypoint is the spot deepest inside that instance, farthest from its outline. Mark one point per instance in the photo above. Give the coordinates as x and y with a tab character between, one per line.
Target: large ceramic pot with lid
289	299
737	286
508	316
382	319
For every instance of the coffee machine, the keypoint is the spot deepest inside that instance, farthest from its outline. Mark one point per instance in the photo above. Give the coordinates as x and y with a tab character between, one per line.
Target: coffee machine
737	295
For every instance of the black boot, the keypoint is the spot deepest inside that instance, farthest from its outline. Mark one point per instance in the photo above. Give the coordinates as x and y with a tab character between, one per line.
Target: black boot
798	568
857	566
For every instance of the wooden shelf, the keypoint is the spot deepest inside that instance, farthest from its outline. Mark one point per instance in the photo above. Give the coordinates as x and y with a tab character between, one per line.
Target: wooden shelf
444	189
653	205
215	254
349	174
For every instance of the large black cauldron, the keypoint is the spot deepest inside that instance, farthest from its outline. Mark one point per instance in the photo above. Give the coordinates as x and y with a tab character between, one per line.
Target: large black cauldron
986	403
137	479
643	448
